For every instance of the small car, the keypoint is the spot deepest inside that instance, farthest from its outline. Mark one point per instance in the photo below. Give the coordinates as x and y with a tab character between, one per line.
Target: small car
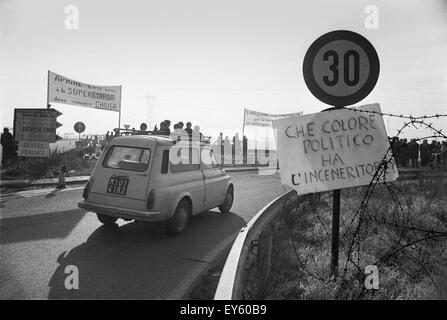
156	178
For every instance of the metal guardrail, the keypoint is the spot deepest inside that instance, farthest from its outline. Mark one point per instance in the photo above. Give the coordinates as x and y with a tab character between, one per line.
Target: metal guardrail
421	175
230	283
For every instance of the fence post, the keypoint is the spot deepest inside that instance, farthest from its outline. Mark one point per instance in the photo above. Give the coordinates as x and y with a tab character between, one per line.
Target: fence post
264	260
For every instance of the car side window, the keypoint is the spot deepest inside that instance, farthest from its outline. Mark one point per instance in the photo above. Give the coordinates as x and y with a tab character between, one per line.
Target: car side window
208	159
165	162
186	161
214	163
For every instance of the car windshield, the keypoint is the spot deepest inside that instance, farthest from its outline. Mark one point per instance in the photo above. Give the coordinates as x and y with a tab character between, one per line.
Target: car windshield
127	158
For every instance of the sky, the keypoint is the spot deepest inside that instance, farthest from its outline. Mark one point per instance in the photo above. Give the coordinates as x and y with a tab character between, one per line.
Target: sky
205	61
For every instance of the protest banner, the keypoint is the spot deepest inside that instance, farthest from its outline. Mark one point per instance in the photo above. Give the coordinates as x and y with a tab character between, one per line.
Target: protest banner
67	91
260	119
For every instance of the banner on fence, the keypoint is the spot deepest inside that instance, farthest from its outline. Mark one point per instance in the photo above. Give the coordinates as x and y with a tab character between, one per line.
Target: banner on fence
259	119
67	91
333	149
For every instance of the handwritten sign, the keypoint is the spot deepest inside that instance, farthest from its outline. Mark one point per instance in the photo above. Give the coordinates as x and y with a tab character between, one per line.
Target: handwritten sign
333	149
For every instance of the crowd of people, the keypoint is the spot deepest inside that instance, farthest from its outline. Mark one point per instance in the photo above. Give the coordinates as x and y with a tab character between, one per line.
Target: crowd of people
407	153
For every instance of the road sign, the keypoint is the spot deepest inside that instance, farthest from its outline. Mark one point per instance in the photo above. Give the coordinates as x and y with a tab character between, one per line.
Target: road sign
33	149
38	125
341	68
79	127
332	150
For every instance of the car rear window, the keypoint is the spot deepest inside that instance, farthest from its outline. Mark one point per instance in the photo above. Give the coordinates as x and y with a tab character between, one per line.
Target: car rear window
127	158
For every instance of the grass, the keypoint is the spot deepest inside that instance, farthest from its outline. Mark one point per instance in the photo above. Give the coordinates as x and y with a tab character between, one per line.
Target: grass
37	168
403	231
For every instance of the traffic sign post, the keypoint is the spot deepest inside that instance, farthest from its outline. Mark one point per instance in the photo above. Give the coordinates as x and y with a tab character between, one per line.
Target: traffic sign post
340	68
79	127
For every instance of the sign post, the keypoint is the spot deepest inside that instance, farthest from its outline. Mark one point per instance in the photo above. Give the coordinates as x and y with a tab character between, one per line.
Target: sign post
79	127
340	68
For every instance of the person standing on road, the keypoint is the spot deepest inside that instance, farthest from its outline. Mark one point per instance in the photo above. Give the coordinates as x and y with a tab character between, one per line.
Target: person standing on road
8	147
432	148
425	153
444	155
405	153
414	153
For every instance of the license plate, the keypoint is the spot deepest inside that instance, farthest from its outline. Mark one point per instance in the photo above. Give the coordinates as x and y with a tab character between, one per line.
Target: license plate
118	185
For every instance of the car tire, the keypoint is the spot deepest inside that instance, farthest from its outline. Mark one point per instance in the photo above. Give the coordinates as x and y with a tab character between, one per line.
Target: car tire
228	202
180	220
106	220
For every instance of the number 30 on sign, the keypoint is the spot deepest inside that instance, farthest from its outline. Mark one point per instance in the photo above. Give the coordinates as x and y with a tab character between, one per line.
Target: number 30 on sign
341	68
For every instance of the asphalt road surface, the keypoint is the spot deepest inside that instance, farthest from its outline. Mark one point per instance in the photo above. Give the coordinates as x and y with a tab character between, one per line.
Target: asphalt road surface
43	231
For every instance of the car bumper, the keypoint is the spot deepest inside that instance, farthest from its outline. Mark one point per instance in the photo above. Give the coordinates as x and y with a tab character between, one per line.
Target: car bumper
150	216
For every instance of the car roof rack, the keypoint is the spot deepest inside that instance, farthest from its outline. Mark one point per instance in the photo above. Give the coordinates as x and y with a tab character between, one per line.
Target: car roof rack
176	137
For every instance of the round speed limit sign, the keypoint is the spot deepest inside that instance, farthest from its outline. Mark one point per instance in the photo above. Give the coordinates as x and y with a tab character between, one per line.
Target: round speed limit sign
341	68
79	127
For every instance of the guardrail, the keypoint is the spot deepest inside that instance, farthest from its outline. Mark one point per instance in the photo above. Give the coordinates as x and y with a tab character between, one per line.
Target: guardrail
231	280
230	283
421	175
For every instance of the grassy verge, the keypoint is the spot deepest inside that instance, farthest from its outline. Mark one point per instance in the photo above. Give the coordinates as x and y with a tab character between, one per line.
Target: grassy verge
401	229
38	168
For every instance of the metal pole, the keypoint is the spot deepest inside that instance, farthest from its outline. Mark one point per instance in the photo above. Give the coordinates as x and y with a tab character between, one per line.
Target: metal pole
243	125
244	155
48	90
335	222
119	111
335	231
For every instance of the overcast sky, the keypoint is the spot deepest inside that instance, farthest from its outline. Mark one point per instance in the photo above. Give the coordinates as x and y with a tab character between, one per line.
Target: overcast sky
204	61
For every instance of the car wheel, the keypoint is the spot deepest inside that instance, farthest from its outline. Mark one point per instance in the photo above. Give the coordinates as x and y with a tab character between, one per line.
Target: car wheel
226	205
179	221
106	220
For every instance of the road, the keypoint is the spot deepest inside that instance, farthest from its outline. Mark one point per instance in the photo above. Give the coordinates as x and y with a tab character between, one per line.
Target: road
43	232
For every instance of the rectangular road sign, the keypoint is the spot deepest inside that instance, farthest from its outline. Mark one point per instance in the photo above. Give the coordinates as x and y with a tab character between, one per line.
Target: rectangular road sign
33	149
35	124
333	149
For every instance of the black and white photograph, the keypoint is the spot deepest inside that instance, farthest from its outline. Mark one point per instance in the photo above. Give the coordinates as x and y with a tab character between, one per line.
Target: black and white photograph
228	157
